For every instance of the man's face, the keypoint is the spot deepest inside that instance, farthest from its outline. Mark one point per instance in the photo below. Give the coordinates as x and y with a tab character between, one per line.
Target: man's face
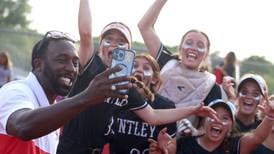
60	68
111	40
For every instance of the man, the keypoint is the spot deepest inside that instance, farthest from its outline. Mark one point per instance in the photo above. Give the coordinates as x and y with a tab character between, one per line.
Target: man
29	117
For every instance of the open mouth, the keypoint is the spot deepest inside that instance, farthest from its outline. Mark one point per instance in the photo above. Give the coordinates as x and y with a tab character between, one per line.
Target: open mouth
138	77
66	81
216	131
191	56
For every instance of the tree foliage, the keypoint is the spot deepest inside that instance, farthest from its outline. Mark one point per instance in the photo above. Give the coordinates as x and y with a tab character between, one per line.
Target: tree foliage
13	14
256	64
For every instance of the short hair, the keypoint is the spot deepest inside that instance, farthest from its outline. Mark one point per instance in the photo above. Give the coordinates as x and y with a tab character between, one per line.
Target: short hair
40	48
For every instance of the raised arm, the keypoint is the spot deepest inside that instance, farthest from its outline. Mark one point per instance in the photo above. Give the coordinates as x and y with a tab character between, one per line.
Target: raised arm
251	140
146	27
85	31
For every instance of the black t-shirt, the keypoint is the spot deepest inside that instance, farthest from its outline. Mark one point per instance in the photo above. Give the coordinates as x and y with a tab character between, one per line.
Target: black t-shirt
164	55
86	130
243	128
128	134
189	145
263	150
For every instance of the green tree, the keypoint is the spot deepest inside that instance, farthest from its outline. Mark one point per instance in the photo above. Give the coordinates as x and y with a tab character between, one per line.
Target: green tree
259	65
13	14
256	64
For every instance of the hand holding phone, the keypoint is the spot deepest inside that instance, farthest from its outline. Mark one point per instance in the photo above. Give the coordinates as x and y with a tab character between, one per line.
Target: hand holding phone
125	59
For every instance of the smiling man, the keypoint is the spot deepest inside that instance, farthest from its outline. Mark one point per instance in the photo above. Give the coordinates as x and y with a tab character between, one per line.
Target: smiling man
29	117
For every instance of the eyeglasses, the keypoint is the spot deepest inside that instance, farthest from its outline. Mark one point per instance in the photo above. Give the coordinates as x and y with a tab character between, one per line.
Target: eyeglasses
107	43
255	96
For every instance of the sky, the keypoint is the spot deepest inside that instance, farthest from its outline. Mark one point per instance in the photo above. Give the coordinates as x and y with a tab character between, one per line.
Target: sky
243	26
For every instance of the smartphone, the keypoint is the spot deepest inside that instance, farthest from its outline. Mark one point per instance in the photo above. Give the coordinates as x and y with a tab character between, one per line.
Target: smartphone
125	59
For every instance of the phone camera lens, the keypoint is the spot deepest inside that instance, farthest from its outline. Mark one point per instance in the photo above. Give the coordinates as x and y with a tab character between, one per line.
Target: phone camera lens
121	55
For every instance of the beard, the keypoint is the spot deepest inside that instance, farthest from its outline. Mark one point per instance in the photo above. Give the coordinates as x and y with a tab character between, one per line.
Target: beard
53	81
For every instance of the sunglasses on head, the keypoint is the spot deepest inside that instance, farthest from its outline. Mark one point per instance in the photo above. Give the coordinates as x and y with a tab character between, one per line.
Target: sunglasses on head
58	35
55	35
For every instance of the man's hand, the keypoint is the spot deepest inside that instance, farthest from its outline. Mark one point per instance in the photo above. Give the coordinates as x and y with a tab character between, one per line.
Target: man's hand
101	87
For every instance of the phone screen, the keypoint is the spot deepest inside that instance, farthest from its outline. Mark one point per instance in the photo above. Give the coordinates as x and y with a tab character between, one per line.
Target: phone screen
125	59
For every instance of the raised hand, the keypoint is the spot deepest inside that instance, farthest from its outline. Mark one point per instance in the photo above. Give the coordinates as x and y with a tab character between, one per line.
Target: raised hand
267	107
153	147
164	139
185	128
228	83
205	111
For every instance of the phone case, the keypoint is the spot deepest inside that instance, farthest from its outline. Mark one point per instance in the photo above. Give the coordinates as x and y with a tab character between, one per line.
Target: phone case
125	59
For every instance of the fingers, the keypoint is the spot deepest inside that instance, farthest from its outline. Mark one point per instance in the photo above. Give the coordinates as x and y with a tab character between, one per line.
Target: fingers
117	80
108	91
215	117
261	108
153	145
163	131
185	128
212	114
152	141
110	71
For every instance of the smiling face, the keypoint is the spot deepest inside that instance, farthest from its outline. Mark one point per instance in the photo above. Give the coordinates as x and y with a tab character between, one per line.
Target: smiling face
111	40
194	49
248	98
59	67
217	131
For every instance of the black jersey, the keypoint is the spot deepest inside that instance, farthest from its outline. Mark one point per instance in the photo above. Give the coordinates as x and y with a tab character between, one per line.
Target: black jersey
189	145
241	127
85	132
164	56
128	133
263	150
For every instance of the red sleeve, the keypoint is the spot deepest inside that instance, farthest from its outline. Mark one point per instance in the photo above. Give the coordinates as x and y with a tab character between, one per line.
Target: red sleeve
219	75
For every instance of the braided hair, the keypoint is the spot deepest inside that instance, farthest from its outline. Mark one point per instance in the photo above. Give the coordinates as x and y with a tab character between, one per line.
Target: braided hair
153	87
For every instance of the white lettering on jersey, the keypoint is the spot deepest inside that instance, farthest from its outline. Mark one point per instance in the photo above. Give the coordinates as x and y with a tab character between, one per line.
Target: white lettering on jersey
116	101
135	128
